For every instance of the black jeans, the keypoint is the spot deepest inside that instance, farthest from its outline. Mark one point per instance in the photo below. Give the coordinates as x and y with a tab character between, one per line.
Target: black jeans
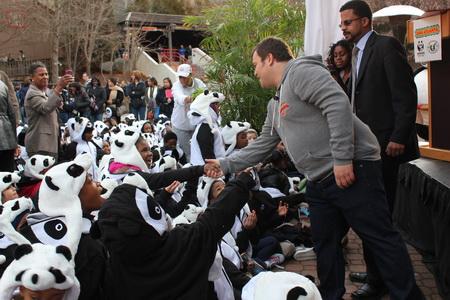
364	208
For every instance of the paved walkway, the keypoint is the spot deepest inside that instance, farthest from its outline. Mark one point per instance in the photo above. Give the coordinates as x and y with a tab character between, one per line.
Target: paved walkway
355	260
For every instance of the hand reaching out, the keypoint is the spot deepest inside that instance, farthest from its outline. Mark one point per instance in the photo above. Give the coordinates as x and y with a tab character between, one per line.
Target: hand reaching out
172	187
212	168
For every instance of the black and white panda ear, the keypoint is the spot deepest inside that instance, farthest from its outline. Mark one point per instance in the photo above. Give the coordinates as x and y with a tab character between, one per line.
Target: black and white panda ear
59	276
22	250
162	161
1	209
129	132
229	124
216	95
16	206
46	163
241	124
50	184
296	292
75	170
64	251
7	178
203	184
73	126
118	144
206	92
33	161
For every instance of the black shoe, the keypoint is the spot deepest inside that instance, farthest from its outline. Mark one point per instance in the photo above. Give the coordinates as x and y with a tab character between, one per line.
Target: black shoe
366	292
360	277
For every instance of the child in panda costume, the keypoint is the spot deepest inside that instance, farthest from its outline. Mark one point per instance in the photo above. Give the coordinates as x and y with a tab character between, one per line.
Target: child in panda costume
8	181
206	142
81	134
34	172
149	259
235	136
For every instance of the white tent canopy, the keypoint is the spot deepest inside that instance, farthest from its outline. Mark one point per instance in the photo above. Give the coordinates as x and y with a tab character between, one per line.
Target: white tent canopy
398	10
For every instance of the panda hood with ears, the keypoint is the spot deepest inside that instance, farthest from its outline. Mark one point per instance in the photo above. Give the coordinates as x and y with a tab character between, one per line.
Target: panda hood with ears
36	164
40	267
77	126
58	195
280	286
230	133
200	109
124	150
6	179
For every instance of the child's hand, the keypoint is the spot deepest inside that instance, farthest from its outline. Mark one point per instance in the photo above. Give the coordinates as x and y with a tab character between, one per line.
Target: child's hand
283	209
172	187
250	221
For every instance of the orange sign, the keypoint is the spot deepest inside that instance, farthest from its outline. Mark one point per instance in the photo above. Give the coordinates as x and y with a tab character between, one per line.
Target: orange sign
150	28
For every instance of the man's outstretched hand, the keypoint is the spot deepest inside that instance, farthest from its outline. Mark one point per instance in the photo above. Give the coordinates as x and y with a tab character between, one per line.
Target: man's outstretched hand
212	168
344	175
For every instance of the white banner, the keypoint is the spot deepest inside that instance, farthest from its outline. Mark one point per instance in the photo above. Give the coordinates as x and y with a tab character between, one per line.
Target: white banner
428	39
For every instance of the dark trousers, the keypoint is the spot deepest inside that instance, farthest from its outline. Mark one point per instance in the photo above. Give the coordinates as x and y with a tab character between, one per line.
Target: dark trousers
265	247
364	208
7	162
389	169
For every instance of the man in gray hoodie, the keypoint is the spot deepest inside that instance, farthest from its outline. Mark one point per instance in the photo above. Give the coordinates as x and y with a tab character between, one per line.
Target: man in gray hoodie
339	156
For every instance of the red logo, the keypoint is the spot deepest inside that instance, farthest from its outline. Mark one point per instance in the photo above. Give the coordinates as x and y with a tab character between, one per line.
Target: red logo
283	109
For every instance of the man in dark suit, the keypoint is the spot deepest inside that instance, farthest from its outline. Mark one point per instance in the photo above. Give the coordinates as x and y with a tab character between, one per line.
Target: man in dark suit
384	96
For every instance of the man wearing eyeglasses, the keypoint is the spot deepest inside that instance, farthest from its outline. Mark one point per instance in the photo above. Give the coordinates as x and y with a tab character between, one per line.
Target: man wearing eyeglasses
383	96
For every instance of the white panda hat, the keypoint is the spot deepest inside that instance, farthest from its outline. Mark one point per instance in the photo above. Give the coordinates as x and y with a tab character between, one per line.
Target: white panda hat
7	179
201	105
99	127
230	132
77	126
9	211
204	186
124	150
40	267
108	185
280	286
36	164
167	162
58	195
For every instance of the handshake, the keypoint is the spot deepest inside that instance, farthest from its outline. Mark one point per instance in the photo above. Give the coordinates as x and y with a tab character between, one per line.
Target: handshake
212	168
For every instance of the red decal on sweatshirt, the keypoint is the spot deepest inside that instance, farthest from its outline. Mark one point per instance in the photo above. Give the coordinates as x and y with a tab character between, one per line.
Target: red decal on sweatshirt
283	109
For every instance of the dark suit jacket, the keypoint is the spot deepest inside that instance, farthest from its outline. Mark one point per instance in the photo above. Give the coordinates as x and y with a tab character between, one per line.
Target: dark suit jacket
386	95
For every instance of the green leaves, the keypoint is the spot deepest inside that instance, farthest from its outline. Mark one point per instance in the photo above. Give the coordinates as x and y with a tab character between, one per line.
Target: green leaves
234	30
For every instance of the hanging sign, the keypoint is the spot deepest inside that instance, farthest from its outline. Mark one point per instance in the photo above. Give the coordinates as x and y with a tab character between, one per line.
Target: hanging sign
428	39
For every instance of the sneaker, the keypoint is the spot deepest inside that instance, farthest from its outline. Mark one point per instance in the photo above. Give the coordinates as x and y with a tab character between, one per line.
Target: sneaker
275	259
287	248
303	253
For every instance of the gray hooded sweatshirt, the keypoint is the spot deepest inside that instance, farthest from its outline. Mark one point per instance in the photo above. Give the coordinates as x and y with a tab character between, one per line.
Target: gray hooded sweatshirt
312	116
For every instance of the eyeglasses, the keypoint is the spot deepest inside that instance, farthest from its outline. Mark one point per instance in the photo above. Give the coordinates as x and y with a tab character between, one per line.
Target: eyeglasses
348	22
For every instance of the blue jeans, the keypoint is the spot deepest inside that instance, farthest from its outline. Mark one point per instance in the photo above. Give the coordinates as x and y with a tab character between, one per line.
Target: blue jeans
139	113
364	208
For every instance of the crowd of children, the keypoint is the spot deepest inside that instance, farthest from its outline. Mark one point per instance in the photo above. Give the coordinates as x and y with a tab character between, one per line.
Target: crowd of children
124	215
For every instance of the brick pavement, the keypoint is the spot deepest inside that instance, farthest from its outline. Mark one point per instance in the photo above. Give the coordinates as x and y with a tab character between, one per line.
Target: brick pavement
354	256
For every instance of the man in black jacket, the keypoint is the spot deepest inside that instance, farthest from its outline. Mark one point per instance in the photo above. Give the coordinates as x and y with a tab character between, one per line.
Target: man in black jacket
384	97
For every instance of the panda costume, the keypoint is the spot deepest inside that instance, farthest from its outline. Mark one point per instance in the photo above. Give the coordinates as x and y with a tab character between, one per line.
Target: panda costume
34	171
230	132
78	126
62	222
206	142
148	259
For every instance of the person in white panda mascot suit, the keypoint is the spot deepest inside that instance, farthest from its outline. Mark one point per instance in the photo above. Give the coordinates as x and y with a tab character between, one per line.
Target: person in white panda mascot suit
149	259
81	134
206	142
